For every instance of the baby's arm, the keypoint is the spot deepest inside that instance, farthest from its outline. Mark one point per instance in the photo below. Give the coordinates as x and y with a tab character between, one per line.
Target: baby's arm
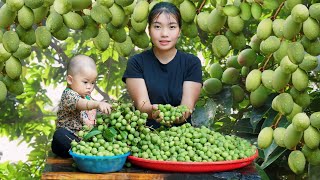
84	104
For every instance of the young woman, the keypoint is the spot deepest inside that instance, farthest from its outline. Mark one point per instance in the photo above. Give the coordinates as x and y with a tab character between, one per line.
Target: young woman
163	74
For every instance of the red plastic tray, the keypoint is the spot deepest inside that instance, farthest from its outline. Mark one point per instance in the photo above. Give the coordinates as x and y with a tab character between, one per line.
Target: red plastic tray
193	167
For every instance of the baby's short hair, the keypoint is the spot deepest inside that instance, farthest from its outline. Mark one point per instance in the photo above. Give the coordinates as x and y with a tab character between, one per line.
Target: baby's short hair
78	62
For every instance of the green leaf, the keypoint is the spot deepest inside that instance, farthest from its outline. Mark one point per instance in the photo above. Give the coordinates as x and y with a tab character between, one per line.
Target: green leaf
261	172
204	115
91	134
272	153
109	133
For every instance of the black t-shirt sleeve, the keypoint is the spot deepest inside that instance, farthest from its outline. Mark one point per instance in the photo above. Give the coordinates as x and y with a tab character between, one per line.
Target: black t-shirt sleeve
134	69
194	71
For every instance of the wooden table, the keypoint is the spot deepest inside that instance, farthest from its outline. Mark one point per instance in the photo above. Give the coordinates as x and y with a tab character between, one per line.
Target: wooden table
58	168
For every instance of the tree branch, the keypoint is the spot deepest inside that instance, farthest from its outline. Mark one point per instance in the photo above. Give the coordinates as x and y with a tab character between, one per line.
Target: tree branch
277	12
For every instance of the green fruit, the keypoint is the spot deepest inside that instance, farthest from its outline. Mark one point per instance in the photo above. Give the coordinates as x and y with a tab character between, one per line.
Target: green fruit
117	34
102	40
237	41
290	4
232	61
188	12
314	158
230	76
297	162
90	28
216	21
25	17
61	34
33	4
311	28
124	3
125	48
266	78
4	55
300	13
264	29
10	41
215	70
54	22
245	13
237	93
7	16
118	16
245	71
73	20
101	14
256	10
202	20
259	96
231	10
291	28
277	27
212	86
280	79
314	11
1	34
270	45
265	137
309	62
253	80
287	66
15	5
295	52
269	4
292	137
139	39
235	24
13	68
247	57
311	137
62	6
26	36
40	14
283	103
47	3
279	136
295	110
140	12
3	91
78	5
106	3
220	46
311	47
43	37
315	120
255	43
303	99
301	121
189	29
23	51
139	27
300	79
281	52
16	87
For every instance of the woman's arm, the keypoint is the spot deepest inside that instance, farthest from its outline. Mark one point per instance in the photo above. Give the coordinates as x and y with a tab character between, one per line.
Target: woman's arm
190	95
138	92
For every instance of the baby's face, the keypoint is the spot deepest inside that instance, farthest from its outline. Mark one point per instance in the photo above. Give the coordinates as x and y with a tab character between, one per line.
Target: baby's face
83	82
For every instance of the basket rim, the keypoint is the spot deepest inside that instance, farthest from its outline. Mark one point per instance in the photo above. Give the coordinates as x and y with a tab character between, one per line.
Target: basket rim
74	155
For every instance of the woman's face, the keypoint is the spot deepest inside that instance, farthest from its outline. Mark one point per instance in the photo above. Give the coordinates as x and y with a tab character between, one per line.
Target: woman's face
164	32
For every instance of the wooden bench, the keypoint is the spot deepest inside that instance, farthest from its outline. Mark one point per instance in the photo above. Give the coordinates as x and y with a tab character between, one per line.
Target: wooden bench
58	168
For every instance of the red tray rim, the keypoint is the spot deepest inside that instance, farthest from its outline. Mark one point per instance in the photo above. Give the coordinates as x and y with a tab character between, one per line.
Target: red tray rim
250	158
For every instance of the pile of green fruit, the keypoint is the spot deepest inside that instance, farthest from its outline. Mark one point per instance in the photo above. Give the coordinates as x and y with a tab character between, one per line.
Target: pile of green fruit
169	114
189	144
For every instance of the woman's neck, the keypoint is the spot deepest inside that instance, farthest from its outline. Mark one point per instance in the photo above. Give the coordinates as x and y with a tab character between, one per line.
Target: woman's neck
165	56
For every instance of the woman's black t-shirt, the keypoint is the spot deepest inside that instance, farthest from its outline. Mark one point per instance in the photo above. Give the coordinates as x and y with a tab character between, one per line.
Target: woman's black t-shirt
164	82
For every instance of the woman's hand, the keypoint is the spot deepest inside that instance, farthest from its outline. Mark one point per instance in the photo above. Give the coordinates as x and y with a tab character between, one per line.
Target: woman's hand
156	113
184	117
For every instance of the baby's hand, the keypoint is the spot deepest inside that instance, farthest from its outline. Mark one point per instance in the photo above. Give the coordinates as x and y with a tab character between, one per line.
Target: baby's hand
104	107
